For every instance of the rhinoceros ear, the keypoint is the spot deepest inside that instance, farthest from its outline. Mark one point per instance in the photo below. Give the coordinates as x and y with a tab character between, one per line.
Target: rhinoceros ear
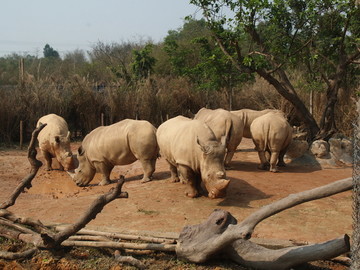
81	151
57	139
205	148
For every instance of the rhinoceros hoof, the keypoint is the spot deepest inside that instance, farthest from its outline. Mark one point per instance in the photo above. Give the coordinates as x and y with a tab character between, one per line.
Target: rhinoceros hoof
274	170
263	167
175	180
104	183
145	180
192	194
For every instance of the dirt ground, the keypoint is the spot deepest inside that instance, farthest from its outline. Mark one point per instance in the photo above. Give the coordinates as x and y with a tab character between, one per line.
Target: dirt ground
161	206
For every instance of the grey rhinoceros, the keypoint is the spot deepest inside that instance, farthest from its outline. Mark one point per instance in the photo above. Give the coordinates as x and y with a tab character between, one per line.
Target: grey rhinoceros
121	143
194	155
248	116
54	142
223	123
271	133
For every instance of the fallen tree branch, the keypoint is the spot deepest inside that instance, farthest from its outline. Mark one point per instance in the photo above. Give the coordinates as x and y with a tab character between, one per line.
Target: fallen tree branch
35	165
199	242
128	259
124	236
35	224
95	208
122	245
251	255
17	255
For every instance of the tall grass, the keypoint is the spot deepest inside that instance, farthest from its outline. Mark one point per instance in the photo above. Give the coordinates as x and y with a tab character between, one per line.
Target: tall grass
82	103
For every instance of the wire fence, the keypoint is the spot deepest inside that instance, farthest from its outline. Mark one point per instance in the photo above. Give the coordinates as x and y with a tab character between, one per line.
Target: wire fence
355	248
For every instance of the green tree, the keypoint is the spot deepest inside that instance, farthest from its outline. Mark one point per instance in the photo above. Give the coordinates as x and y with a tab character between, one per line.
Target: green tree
270	37
50	52
143	63
193	53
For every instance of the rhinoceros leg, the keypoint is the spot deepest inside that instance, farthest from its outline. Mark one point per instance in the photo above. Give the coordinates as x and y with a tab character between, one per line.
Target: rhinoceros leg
105	170
273	160
281	162
190	177
149	168
48	160
264	164
174	173
229	156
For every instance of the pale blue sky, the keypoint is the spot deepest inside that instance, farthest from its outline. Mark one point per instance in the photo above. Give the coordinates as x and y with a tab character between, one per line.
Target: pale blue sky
66	25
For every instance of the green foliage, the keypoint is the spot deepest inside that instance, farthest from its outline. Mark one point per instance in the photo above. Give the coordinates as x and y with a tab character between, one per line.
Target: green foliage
143	63
49	52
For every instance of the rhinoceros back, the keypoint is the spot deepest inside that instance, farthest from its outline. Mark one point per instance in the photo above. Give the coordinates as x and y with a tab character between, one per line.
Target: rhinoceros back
272	131
56	126
121	143
223	123
177	139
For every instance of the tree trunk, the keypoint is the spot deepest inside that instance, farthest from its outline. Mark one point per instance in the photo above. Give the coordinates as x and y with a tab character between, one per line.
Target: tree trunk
284	87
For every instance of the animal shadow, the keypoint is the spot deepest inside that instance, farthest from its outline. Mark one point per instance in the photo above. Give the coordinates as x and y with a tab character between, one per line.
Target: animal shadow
240	194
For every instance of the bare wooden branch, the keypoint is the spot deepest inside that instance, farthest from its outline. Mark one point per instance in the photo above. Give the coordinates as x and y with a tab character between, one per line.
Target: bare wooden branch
17	255
35	165
128	259
124	236
121	245
95	208
198	242
88	238
251	255
35	224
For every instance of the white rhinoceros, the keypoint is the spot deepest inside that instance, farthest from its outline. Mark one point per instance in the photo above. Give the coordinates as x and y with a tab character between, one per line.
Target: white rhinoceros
271	133
54	142
248	116
223	123
194	155
121	143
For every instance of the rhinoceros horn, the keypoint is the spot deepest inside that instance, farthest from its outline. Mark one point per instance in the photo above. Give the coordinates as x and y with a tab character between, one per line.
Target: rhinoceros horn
222	184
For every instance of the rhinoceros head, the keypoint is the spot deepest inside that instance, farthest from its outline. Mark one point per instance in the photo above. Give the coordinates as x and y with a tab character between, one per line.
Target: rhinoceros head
212	168
85	172
63	152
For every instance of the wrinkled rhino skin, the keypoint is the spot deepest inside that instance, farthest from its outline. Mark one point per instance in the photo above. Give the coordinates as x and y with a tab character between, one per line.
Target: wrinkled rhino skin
194	155
271	133
248	116
223	123
54	142
121	143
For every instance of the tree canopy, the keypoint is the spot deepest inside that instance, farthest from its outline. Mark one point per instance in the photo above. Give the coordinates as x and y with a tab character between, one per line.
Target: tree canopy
270	37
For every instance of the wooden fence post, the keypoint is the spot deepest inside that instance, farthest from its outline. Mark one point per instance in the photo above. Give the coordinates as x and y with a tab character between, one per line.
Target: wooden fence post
21	134
102	119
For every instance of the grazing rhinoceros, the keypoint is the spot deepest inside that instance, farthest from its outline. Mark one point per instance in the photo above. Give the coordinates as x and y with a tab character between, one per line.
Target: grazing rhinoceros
271	133
194	154
248	116
121	143
54	141
223	123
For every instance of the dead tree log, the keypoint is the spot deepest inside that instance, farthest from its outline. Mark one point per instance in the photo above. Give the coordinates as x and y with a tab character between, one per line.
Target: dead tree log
252	255
198	243
35	165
